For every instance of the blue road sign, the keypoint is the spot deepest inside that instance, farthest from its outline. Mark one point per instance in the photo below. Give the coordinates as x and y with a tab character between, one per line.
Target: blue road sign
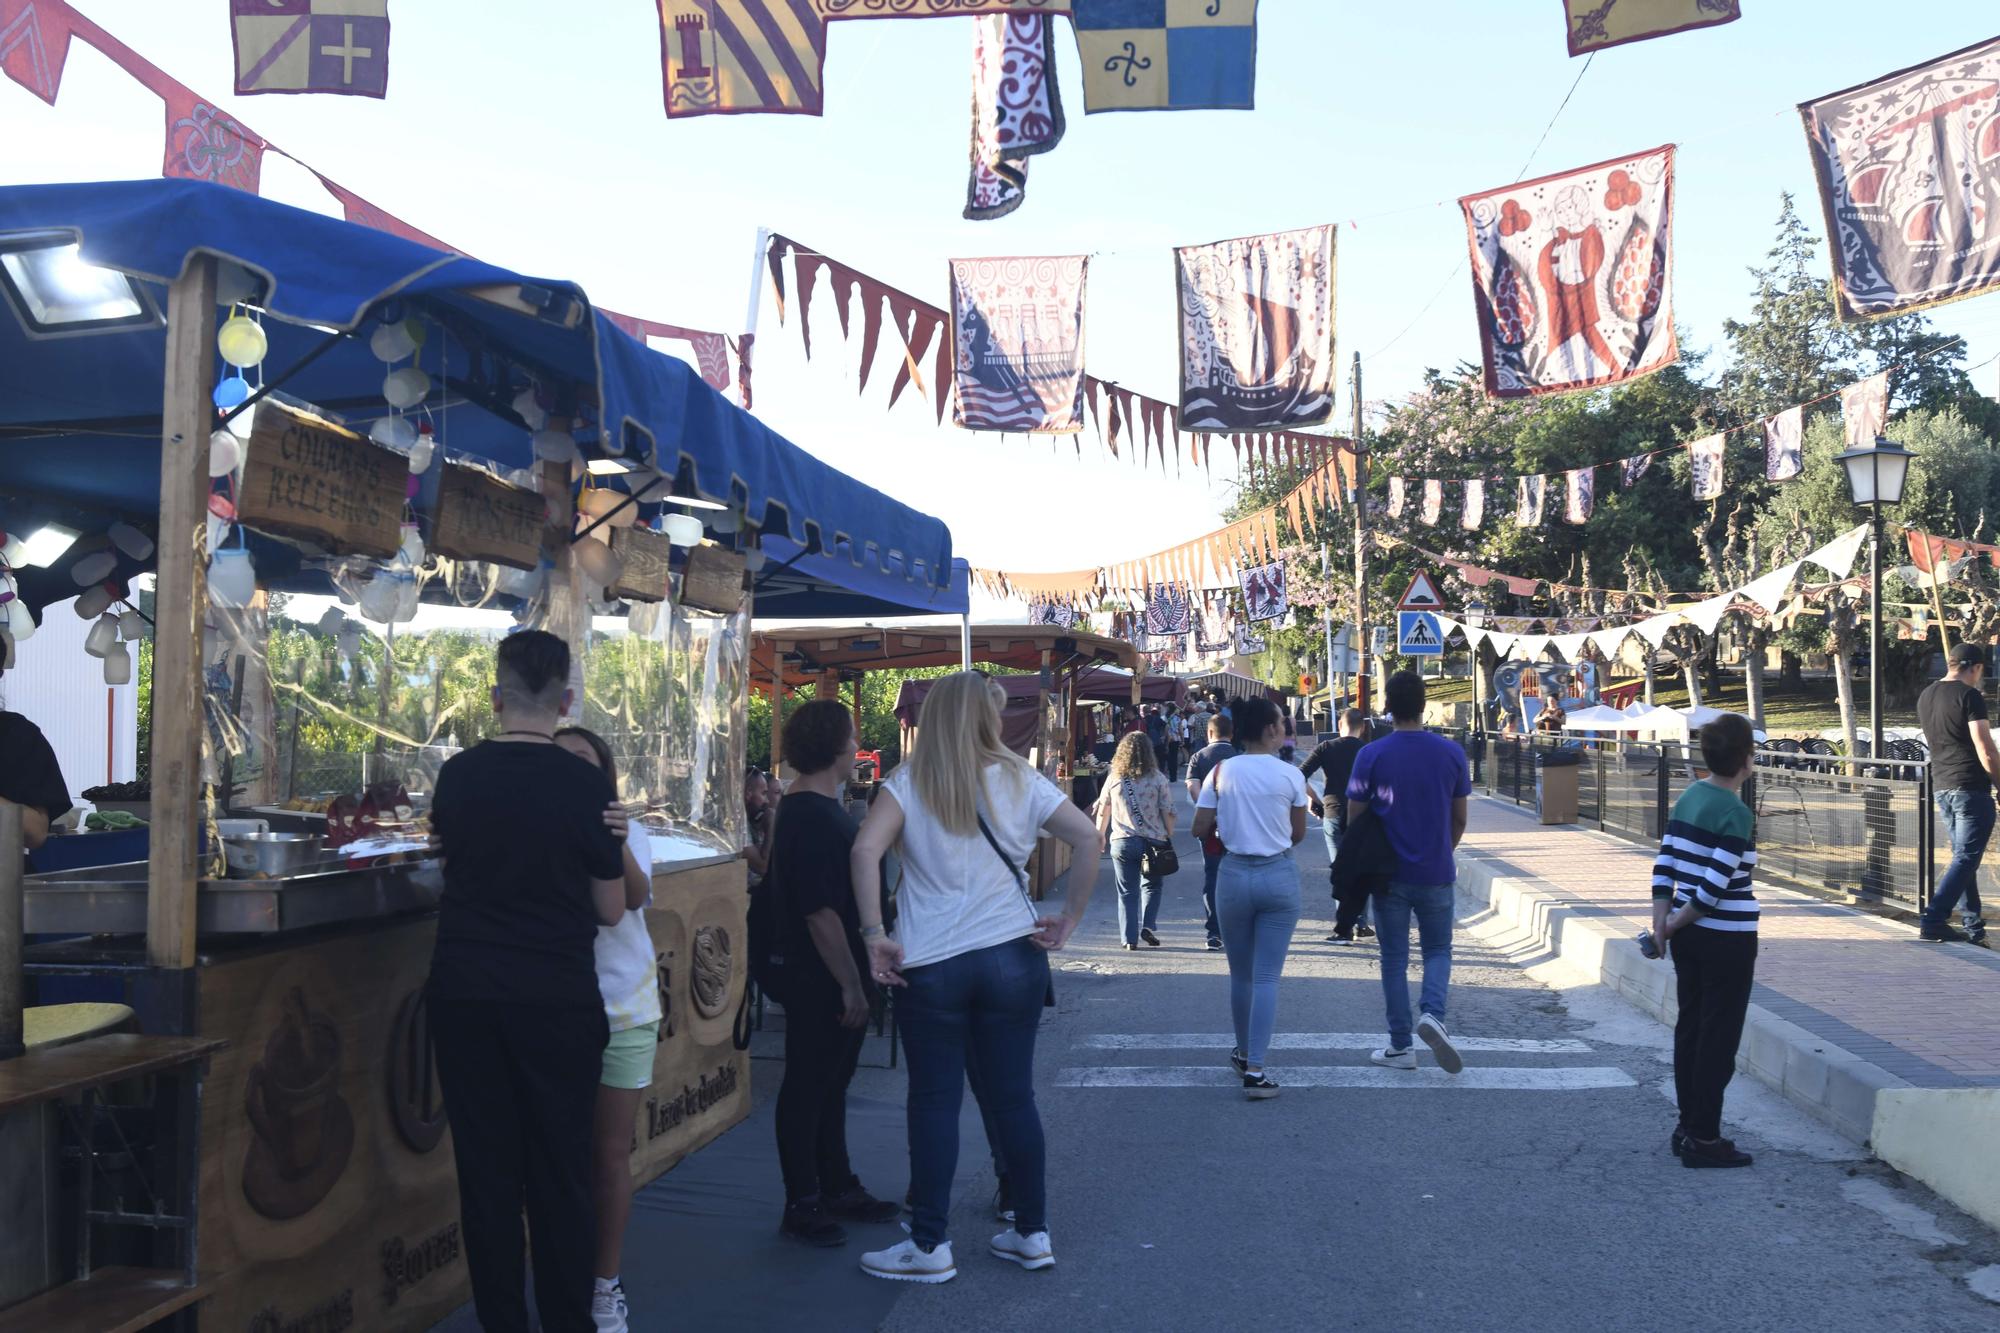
1418	634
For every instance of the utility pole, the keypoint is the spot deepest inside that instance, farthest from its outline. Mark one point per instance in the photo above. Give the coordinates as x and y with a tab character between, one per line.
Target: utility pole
1326	625
1360	500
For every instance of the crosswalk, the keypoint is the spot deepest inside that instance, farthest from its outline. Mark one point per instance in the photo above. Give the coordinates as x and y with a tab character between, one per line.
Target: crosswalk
1477	1077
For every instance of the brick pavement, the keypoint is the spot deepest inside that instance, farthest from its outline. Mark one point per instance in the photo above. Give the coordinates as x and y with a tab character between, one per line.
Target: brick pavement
1927	1013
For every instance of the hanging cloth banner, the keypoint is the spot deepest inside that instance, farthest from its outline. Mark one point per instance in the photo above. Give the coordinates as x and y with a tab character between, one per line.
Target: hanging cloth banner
1172	56
1169	611
1784	445
1257	331
1864	406
1016	109
1596	24
1060	614
1632	469
1705	458
1248	644
1433	504
1608	642
1580	496
319	46
925	323
1529	496
1017	336
1572	276
1395	497
1890	156
1837	556
1264	592
1473	513
1770	590
1212	634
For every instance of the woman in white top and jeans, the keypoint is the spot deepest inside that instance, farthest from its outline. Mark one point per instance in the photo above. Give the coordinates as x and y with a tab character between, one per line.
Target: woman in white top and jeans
1136	811
969	957
1256	803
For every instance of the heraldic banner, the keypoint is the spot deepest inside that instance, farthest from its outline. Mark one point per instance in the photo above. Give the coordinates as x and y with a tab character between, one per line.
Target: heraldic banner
1257	331
1909	176
1264	595
1166	55
319	46
1017	336
1572	276
1596	24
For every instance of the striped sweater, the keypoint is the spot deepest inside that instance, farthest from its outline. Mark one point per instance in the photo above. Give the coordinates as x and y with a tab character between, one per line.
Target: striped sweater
1707	857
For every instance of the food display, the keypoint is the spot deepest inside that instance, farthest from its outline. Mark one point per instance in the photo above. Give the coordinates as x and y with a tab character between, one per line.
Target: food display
111	821
140	790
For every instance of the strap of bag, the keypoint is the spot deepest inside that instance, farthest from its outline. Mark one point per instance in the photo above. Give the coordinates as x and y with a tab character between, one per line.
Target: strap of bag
1020	880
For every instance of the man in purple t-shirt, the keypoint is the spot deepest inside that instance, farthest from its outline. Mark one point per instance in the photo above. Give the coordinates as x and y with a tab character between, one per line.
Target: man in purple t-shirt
1416	783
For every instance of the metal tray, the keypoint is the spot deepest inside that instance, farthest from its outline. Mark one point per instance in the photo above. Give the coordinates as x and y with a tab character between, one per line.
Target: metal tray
111	900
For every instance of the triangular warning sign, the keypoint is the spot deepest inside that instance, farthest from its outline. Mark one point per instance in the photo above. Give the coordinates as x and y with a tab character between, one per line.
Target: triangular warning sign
1421	595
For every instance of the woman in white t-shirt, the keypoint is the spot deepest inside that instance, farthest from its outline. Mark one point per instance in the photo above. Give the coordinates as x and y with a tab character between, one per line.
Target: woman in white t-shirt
969	957
1256	803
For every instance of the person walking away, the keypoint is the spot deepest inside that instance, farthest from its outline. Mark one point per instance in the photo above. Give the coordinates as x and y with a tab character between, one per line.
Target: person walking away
1156	732
1334	759
630	987
1136	812
1288	751
1705	912
969	959
1176	741
756	807
1257	803
1964	762
1220	747
827	994
1416	783
533	844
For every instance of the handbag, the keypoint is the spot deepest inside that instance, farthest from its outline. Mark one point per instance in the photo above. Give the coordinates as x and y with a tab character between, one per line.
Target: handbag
1212	844
1159	859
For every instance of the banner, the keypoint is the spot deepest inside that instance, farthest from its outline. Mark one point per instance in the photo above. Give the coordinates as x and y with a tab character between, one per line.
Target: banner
1530	494
1016	109
1705	458
1474	511
1909	169
1396	486
311	46
1596	24
1248	644
1213	633
1264	592
1784	445
1580	494
1169	610
1257	331
1167	55
1572	276
1017	337
1632	469
1433	505
1864	410
1060	614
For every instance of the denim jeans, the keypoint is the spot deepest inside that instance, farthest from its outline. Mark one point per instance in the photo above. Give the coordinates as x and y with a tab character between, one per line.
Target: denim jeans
1968	823
1209	866
1258	900
1432	906
1138	891
986	1004
1332	832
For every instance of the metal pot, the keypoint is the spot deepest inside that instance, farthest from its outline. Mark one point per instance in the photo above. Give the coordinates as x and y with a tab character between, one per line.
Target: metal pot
270	855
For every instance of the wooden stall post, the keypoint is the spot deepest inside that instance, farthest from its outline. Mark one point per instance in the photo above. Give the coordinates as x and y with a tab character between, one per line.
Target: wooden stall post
828	685
173	876
1042	715
778	651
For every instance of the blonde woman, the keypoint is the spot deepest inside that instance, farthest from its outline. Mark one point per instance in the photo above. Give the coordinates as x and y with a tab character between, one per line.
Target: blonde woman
969	959
1135	812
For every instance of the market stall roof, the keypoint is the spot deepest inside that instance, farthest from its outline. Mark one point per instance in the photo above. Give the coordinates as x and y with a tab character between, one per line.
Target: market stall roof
797	584
808	652
80	407
1232	685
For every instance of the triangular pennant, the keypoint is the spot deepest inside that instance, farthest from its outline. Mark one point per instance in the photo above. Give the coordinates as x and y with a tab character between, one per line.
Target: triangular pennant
873	295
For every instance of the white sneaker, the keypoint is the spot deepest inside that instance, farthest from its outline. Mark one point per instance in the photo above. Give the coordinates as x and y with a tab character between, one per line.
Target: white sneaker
1391	1058
608	1310
1431	1029
1030	1252
907	1263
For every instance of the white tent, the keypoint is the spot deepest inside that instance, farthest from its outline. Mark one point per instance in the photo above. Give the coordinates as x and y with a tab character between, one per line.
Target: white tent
1598	718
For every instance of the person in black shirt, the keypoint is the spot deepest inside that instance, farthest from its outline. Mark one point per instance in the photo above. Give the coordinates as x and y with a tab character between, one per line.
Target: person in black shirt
533	842
30	777
1220	728
1964	760
1335	759
827	993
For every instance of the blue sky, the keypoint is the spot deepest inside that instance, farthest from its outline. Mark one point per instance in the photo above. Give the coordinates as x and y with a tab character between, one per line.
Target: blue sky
533	135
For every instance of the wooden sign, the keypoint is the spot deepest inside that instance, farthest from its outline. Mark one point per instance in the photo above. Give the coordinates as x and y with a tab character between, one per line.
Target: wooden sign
713	580
480	517
304	476
649	560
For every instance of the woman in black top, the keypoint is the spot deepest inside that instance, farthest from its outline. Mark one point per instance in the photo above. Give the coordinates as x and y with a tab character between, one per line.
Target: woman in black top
30	777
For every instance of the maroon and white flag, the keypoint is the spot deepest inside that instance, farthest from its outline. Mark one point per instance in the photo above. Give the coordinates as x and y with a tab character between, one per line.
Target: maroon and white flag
1016	109
1528	500
1784	445
1572	276
1433	505
1705	456
1632	469
1864	410
1474	511
1017	335
1579	494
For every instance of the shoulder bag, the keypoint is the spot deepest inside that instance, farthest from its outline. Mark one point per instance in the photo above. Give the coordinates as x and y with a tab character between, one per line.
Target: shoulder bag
1160	858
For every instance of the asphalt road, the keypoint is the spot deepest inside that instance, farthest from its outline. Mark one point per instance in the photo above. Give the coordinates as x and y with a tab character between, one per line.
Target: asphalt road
1535	1192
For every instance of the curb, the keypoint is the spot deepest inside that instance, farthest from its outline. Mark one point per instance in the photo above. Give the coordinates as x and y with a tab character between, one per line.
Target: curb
1834	1085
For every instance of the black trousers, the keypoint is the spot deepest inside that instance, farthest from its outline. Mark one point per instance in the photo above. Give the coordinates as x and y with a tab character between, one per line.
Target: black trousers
820	1056
1713	971
520	1087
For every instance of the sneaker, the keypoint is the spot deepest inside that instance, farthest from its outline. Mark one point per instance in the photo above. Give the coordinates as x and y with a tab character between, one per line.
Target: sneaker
856	1204
907	1262
1940	935
1338	938
1129	948
1677	1141
1364	932
1238	1063
1721	1153
1031	1252
1152	940
1258	1087
1003	1202
1214	943
1390	1057
608	1310
1431	1029
809	1224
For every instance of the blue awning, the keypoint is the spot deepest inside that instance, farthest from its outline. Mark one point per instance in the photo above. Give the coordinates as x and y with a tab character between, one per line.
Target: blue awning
80	413
797	585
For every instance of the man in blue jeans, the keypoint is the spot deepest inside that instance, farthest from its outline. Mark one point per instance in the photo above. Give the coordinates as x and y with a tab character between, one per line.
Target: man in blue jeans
1219	748
1416	783
1964	760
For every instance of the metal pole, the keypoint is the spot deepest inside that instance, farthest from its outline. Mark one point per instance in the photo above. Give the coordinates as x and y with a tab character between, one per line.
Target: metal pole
750	319
1360	498
1875	633
965	642
13	869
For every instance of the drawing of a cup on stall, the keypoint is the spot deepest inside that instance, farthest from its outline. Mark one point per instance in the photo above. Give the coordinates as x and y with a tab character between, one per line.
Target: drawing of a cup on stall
303	1132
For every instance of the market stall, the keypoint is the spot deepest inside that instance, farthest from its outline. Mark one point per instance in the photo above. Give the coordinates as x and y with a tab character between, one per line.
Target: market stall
399	456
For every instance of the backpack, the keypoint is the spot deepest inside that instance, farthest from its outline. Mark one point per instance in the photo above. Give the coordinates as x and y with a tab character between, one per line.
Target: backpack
766	928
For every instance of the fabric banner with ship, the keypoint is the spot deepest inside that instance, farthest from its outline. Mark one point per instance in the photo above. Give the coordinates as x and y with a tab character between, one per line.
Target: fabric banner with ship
1264	595
1169	610
1596	24
1257	331
1016	109
1167	55
311	46
1572	276
1017	337
1909	176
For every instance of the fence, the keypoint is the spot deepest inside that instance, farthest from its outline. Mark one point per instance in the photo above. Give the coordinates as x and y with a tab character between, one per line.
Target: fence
1865	837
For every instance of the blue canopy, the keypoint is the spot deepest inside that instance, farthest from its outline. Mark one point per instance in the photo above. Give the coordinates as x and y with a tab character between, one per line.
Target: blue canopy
80	412
797	584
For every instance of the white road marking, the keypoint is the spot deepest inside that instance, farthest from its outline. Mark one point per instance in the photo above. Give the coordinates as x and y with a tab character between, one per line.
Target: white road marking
1477	1079
1904	1218
1317	1041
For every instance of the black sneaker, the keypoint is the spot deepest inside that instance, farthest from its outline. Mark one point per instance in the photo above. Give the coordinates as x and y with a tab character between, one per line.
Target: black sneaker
1364	932
1677	1143
1940	935
1152	940
856	1204
1214	943
1340	937
1258	1087
1238	1063
808	1223
1721	1153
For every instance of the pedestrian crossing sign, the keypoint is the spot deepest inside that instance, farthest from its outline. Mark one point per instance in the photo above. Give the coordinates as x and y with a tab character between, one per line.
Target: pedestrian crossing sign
1418	634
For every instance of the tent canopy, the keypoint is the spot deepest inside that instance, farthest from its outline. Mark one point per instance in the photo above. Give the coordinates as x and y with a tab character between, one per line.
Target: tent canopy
1231	685
807	654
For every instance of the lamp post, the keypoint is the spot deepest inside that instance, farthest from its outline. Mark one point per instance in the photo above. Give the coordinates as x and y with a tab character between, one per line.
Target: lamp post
1875	475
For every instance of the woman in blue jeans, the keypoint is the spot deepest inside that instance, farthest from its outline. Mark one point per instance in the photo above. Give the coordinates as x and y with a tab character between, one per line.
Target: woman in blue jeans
1257	804
1136	811
969	958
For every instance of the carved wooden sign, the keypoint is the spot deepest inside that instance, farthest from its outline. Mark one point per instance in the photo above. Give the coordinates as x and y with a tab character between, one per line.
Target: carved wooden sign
648	558
304	476
480	517
713	580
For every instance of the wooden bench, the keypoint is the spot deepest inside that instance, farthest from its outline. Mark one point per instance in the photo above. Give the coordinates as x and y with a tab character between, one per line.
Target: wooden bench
110	1300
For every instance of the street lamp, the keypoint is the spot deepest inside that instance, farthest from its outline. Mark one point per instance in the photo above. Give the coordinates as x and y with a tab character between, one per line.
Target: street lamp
1875	475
